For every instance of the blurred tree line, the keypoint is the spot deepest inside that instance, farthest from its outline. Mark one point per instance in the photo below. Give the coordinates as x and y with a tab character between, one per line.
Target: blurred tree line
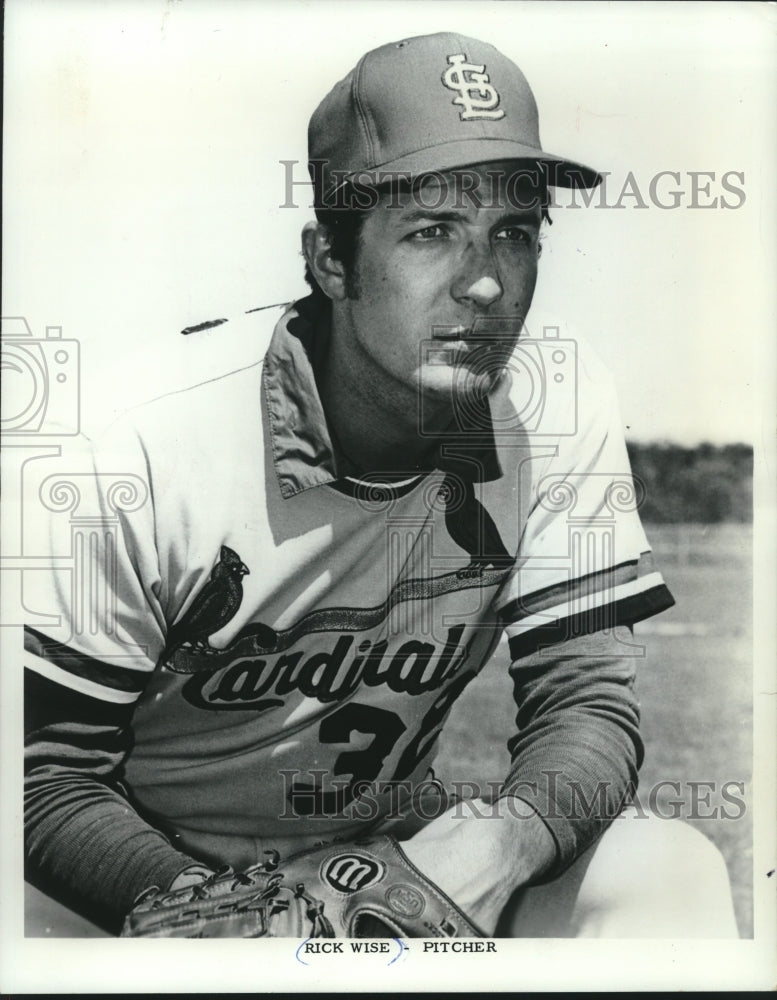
708	483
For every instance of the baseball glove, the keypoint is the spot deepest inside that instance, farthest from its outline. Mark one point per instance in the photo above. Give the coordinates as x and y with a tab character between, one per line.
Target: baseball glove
365	889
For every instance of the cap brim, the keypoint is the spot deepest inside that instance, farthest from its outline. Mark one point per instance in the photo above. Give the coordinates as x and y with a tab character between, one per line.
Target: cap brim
559	172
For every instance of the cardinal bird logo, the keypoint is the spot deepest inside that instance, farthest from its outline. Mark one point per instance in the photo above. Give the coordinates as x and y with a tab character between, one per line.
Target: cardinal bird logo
215	605
188	650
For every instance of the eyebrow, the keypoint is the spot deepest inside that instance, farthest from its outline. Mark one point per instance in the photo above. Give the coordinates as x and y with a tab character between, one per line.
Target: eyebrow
452	215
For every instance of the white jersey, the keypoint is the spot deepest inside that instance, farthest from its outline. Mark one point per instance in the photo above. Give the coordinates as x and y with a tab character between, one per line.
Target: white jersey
293	639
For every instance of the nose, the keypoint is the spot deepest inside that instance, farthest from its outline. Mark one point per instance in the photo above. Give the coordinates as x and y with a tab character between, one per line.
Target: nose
478	282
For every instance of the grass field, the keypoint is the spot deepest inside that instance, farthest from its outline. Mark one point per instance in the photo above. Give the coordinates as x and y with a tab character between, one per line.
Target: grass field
695	688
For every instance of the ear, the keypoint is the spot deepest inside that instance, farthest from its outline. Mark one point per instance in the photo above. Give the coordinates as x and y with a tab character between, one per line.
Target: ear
329	273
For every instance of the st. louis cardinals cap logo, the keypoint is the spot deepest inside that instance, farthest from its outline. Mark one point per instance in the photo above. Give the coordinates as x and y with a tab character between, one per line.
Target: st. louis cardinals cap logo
477	96
351	872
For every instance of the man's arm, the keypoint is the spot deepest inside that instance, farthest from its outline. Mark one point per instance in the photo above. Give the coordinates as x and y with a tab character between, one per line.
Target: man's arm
575	760
86	844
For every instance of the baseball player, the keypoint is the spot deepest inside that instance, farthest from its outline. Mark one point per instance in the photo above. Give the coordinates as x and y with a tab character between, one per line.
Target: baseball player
277	582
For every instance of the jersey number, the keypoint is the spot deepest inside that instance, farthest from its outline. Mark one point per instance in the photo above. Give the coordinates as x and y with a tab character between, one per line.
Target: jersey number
365	765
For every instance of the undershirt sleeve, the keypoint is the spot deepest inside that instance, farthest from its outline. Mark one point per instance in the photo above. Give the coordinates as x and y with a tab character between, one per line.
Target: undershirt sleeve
584	574
86	843
577	750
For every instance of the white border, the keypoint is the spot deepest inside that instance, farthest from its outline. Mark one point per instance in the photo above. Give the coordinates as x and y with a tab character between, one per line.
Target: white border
110	966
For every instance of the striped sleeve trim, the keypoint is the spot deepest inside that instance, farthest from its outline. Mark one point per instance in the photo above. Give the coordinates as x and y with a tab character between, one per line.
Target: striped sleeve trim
79	672
568	591
621	595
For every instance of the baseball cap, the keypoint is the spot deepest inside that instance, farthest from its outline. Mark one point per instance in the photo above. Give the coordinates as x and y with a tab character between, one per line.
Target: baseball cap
430	103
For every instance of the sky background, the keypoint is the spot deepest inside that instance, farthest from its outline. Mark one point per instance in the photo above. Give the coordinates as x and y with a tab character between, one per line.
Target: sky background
142	183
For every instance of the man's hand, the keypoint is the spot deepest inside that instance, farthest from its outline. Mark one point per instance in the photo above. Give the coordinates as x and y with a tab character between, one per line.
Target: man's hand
480	853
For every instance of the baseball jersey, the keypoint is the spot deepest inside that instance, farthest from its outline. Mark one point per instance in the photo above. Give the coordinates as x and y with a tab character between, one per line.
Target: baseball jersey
292	638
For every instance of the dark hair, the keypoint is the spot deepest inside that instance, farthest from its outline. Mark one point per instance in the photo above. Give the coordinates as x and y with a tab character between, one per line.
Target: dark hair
344	225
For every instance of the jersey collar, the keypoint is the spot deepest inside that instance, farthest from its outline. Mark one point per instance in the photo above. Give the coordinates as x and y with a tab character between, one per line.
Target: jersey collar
303	452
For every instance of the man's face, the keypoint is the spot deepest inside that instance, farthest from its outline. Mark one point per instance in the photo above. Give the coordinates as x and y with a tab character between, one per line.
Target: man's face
441	292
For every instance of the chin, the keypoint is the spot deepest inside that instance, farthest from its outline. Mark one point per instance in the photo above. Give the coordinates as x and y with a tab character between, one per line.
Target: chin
449	387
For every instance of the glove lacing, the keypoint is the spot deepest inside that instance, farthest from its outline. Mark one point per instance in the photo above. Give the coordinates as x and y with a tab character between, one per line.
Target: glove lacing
321	925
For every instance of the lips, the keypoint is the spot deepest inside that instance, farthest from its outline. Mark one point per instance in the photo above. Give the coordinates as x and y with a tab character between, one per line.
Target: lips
457	333
475	355
493	330
482	346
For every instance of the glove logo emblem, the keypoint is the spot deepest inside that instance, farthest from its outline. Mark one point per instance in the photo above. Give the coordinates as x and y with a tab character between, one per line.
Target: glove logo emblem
405	900
478	98
351	872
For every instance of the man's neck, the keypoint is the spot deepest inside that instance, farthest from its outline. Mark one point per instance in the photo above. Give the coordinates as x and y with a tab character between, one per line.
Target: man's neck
369	430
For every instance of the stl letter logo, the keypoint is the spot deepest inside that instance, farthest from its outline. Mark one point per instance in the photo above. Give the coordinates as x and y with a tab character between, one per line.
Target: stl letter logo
477	96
